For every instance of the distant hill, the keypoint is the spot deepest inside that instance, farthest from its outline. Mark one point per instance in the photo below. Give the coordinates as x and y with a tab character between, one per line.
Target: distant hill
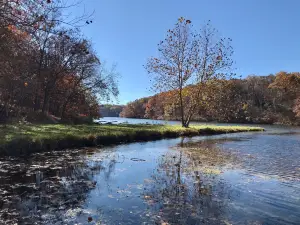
108	110
271	99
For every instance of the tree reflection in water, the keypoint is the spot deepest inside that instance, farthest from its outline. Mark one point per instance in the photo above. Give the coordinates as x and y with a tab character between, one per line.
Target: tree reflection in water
155	183
183	189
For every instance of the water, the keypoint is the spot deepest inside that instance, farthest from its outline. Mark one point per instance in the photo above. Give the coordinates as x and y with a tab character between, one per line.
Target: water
117	120
246	178
135	121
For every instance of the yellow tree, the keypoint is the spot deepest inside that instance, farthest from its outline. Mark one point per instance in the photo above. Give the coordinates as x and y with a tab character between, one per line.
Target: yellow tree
289	85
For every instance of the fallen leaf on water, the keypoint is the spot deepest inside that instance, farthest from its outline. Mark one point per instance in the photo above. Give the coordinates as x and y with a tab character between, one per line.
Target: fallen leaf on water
212	171
226	222
164	223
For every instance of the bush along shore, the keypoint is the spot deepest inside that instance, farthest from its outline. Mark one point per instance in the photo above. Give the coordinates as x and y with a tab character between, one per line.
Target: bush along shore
25	139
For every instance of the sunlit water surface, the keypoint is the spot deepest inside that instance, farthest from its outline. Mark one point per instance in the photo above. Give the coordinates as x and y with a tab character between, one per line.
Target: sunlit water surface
245	178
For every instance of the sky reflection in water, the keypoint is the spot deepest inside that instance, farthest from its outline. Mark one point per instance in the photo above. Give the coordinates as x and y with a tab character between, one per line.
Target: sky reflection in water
249	178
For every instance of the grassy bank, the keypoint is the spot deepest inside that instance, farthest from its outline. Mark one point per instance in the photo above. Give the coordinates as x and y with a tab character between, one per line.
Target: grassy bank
26	139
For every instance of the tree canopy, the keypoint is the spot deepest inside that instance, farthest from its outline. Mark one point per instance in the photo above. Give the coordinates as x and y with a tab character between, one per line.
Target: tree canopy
47	65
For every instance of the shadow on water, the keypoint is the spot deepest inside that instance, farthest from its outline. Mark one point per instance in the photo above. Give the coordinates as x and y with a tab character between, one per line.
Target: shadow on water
226	179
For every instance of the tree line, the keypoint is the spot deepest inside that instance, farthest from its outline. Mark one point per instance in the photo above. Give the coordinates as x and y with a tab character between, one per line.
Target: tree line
272	99
193	73
46	65
109	110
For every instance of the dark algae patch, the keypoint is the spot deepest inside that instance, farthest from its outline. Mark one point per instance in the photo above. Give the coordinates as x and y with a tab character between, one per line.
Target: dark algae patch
242	178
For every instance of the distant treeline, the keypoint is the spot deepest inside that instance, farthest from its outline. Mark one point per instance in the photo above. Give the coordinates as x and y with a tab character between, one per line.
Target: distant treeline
273	99
109	110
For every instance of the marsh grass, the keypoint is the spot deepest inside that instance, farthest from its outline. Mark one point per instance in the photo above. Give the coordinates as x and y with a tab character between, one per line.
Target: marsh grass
23	139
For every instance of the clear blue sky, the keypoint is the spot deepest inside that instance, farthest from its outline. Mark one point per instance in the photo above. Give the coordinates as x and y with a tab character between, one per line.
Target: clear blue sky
265	33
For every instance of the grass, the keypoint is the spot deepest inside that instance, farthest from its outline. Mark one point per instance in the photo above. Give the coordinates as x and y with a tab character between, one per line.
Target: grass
25	139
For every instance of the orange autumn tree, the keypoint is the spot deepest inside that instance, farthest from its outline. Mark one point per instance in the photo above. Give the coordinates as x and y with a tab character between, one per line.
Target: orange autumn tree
189	57
296	108
289	86
47	66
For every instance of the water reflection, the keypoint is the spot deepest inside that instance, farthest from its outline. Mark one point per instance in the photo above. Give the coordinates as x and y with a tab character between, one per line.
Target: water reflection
42	188
182	193
227	179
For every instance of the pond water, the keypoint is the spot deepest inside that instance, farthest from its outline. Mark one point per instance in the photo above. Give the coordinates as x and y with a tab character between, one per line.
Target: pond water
117	120
245	178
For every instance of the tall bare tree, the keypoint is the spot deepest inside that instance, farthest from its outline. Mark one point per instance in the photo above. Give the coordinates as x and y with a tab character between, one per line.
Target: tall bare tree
177	60
189	57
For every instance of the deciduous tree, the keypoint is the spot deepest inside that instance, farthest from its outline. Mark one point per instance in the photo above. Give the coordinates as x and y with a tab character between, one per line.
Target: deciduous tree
189	57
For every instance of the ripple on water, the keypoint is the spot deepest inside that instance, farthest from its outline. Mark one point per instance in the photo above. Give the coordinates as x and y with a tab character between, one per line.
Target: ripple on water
228	179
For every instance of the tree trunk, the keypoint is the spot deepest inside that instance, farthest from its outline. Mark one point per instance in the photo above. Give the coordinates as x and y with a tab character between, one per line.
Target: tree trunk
36	102
46	101
192	109
187	123
63	110
181	109
64	106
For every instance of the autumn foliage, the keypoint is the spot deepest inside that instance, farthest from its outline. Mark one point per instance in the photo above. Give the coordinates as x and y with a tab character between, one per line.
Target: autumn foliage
255	99
47	66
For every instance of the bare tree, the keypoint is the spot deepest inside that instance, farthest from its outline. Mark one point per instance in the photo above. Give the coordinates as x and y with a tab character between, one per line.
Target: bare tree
33	15
214	61
187	57
177	61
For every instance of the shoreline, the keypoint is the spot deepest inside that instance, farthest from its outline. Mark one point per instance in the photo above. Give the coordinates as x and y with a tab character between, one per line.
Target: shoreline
246	123
27	139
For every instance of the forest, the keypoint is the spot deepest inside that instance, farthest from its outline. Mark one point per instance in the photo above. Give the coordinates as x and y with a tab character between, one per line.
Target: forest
50	72
272	99
48	67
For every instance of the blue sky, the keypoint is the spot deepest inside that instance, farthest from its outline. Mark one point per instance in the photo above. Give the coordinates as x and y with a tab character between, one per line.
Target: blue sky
265	33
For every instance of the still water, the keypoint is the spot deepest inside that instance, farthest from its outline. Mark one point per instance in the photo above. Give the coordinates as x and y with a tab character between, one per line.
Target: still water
117	120
245	178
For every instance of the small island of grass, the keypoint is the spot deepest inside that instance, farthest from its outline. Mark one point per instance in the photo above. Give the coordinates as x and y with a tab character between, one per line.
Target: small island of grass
26	139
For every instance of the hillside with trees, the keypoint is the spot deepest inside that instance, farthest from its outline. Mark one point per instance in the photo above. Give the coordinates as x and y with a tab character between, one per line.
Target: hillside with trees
272	99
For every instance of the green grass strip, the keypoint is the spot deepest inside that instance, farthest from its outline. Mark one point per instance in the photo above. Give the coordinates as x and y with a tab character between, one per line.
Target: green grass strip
26	139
